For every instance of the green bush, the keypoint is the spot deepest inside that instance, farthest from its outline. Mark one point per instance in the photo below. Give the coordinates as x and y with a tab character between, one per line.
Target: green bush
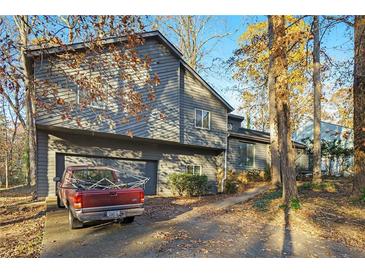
230	184
230	187
185	184
295	204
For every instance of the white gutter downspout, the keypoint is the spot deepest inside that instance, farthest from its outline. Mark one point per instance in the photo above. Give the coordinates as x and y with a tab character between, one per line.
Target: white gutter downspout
225	164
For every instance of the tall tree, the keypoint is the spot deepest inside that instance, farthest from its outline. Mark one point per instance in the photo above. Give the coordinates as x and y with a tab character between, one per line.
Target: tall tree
250	64
23	25
359	106
342	101
317	94
6	144
255	109
193	36
274	146
286	149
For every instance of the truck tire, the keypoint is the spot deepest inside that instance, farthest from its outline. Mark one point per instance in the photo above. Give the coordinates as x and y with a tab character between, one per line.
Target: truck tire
73	222
128	220
60	203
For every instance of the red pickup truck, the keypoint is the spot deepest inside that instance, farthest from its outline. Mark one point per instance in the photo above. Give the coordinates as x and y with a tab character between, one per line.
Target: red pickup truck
96	193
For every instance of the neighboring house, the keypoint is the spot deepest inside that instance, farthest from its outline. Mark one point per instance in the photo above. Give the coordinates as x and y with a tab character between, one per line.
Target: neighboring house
192	138
329	133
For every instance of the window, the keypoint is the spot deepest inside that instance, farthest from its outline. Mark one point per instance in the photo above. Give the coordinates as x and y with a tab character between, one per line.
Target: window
247	154
202	119
196	170
95	103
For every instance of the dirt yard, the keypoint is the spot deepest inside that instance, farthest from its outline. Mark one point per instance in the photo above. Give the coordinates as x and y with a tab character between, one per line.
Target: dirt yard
21	223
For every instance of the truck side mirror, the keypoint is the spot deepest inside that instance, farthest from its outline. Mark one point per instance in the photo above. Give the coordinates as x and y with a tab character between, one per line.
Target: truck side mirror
56	179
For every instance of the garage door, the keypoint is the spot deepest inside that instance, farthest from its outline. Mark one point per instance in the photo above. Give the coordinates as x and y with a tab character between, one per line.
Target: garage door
127	167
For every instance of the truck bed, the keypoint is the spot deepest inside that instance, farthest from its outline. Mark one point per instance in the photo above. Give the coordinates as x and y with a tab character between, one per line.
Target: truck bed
110	198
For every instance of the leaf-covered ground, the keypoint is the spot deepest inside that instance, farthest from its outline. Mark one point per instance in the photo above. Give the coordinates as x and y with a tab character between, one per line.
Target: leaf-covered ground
21	223
329	224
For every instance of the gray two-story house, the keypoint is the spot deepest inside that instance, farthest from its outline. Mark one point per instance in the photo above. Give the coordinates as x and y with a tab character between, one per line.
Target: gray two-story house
197	135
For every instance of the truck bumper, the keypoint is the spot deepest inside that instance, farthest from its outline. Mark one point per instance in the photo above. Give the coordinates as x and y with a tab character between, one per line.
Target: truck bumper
103	215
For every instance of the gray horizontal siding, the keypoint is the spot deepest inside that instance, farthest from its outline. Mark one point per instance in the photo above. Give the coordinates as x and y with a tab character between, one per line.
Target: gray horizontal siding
262	156
196	96
171	158
233	157
165	65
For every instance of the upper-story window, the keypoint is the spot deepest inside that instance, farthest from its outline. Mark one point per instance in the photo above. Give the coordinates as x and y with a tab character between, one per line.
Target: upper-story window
247	154
202	118
94	103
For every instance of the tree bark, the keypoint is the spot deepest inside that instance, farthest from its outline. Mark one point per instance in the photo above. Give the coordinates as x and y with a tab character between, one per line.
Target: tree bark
6	147
275	159
359	107
286	149
22	23
317	89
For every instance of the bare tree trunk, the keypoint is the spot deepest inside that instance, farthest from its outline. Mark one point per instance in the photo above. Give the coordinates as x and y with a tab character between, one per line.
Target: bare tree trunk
359	106
6	147
22	24
317	176
275	159
6	171
286	149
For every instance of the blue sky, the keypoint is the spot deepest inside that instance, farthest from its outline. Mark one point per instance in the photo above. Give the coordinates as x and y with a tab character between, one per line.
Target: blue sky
337	44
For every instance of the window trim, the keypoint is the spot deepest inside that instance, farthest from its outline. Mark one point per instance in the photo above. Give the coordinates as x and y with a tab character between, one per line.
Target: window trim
200	168
253	155
209	118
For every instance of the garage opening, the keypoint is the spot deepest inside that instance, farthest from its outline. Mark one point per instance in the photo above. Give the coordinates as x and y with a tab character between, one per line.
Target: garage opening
130	166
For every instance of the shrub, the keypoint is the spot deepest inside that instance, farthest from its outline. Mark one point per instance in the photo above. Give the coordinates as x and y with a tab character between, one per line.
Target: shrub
255	175
295	204
230	185
238	182
185	184
242	181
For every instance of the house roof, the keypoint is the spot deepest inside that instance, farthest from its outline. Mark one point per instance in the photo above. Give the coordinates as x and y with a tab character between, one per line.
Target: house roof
37	50
259	136
235	116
